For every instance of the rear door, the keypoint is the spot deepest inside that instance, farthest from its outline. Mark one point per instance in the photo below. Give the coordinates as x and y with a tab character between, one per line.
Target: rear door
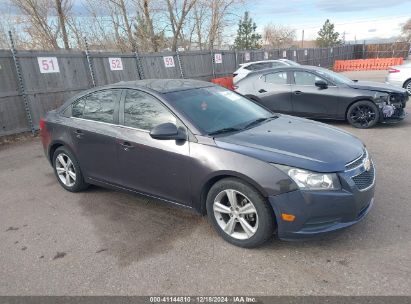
94	132
311	101
274	91
151	166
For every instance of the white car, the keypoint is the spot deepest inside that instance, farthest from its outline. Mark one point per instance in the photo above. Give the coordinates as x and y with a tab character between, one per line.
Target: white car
400	76
246	68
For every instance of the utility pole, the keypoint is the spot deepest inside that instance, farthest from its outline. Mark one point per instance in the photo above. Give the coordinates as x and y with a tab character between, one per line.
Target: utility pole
302	40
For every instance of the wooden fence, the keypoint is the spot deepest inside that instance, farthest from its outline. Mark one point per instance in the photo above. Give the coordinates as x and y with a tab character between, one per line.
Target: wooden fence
33	82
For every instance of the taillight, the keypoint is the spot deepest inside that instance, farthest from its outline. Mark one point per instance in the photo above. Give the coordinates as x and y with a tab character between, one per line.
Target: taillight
392	70
42	124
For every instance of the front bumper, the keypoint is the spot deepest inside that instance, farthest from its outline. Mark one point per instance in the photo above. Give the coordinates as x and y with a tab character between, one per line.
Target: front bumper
320	212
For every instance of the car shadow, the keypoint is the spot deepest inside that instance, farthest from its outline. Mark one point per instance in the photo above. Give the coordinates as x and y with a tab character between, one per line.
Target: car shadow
132	228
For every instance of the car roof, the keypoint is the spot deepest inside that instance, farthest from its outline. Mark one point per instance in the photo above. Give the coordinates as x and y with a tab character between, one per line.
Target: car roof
262	61
163	85
288	67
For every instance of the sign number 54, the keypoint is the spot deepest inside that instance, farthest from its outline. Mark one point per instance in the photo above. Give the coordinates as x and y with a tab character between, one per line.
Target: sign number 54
48	65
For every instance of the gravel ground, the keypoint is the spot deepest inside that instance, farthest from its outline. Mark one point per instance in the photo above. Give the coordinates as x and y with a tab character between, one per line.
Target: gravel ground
103	242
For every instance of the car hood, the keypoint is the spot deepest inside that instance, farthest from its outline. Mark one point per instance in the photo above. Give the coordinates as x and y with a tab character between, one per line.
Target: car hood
296	142
375	86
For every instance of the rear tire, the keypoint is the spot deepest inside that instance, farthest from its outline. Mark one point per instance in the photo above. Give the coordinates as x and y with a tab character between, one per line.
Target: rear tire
407	86
239	213
68	171
363	114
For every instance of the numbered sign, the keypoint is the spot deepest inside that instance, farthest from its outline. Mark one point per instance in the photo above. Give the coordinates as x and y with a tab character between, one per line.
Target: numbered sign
247	56
295	53
116	64
169	61
48	65
265	55
284	54
305	52
218	58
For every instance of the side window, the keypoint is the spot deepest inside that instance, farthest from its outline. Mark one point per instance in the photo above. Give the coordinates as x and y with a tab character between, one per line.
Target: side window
276	78
77	108
250	67
277	64
98	106
305	78
142	111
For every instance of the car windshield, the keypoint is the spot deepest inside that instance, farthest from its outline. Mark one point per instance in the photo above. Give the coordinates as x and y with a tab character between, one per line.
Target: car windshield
217	110
334	77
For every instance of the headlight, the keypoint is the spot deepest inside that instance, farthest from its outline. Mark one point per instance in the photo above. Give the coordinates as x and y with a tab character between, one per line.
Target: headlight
381	97
308	180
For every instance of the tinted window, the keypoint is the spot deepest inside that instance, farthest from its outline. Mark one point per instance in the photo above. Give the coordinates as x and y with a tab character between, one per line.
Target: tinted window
142	111
215	108
277	64
259	66
305	78
98	106
276	78
77	108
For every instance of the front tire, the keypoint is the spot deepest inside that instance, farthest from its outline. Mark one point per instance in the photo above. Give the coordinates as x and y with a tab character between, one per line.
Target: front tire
363	114
239	213
67	170
407	86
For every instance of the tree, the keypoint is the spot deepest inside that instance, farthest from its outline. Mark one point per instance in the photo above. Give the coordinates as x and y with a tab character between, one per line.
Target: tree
61	13
278	36
327	36
406	30
177	17
247	37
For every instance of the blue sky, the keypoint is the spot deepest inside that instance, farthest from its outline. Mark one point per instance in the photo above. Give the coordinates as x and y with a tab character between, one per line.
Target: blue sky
361	19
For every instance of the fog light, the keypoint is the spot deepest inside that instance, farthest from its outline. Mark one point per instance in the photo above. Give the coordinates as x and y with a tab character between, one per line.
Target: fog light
288	217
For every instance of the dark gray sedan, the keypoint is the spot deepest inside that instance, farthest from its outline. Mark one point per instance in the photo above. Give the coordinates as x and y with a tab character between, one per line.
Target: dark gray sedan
201	146
318	93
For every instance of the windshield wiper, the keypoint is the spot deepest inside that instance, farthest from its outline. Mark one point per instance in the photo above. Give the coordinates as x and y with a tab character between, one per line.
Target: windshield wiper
258	120
224	130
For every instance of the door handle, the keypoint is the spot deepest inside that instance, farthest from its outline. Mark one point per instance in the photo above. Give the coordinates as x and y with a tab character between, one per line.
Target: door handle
262	91
298	92
79	133
126	145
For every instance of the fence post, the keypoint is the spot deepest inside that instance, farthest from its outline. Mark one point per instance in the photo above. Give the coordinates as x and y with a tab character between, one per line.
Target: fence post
235	59
139	66
212	62
90	65
179	64
22	89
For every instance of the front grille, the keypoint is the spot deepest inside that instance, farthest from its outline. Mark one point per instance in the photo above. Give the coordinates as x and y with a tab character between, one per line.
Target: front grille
365	179
357	162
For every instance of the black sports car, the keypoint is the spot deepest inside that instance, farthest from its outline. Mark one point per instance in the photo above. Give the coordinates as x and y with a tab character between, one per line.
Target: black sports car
319	93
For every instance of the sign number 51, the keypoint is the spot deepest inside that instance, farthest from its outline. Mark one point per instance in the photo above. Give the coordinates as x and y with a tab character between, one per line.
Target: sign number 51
48	65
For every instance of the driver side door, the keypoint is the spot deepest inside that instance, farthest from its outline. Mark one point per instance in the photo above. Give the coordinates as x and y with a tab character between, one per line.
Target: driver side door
311	101
151	166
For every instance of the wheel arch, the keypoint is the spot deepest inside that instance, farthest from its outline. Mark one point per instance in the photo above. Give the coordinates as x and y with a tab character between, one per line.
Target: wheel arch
353	102
54	146
212	180
405	82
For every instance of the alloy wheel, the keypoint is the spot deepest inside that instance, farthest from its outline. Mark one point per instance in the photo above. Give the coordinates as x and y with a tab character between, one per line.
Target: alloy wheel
65	170
363	115
408	87
235	214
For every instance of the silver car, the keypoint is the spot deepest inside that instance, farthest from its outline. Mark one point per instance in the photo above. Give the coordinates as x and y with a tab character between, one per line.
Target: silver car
400	76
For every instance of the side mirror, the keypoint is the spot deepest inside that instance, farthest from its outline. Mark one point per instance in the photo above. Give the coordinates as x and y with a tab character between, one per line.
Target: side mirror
167	131
321	84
